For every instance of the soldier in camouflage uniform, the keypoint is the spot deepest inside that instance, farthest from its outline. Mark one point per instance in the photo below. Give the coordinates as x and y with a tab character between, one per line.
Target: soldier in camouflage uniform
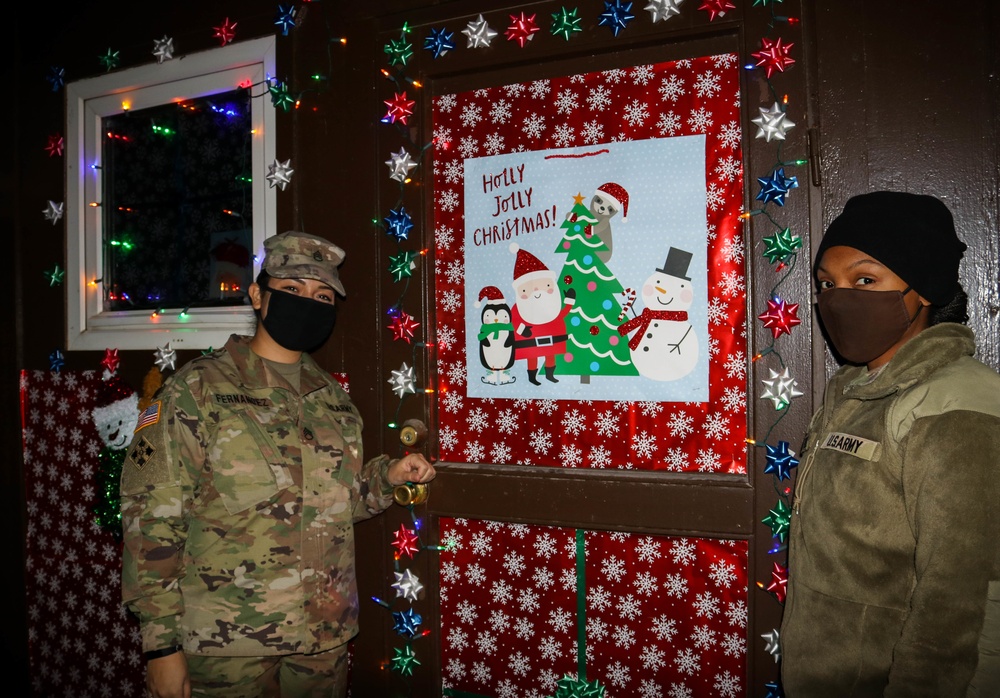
239	494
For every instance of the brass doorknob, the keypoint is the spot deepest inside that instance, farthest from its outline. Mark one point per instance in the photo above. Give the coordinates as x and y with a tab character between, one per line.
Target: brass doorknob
413	433
408	494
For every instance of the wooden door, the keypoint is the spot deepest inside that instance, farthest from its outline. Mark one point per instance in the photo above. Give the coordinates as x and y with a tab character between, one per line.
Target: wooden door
631	485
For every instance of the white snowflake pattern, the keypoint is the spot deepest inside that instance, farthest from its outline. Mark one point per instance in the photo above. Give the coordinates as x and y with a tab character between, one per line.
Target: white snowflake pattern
501	592
645	583
733	249
668	123
700	120
717	311
468	146
703	637
527	600
706	604
629	607
450	301
474	452
477	420
613	568
570	456
481	672
599	598
597	629
458	639
592	132
446	103
486	642
647	549
540	441
545	546
563	135
448	200
707	84
652	658
455	669
467	612
734	399
539	89
519	664
736	365
714	197
549	648
736	613
680	425
534	126
546	407
676	459
454	171
560	619
618	675
708	460
566	102
664	628
716	425
642	74
729	168
453	402
722	573
471	115
636	113
644	445
733	645
500	111
454	272
688	662
494	144
606	423
615	75
443	237
573	422
599	457
445	337
599	98
727	685
448	438
679	690
650	689
542	578
682	551
730	134
671	89
732	284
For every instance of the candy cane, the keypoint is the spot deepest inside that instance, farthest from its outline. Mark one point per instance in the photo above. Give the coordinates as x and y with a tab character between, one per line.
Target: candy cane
629	294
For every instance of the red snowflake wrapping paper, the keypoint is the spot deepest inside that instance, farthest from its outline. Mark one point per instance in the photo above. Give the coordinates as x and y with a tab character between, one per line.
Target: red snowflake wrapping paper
665	617
81	640
681	98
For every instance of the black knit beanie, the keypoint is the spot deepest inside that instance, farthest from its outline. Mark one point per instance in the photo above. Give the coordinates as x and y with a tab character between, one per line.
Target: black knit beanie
911	234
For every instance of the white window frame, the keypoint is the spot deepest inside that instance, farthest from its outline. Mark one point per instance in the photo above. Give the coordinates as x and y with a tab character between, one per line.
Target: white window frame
88	325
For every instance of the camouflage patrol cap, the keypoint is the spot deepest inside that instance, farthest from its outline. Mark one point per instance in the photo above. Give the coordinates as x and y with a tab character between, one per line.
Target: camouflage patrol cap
295	255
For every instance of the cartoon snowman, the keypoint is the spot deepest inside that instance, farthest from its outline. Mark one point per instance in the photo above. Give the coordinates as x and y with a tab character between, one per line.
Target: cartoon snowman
665	346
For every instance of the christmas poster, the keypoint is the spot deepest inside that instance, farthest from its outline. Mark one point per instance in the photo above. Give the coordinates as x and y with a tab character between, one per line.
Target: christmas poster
589	270
527	610
559	263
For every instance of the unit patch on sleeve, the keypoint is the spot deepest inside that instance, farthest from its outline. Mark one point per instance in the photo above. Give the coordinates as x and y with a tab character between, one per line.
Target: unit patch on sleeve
854	445
149	416
141	452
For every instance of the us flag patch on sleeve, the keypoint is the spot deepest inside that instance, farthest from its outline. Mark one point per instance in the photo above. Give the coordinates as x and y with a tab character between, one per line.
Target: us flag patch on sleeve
149	416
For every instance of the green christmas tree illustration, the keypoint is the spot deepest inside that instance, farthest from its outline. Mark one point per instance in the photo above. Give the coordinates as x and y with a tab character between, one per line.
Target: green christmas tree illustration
594	348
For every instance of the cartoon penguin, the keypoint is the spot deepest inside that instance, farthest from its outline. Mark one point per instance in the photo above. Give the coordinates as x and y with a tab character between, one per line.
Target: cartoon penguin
665	346
496	337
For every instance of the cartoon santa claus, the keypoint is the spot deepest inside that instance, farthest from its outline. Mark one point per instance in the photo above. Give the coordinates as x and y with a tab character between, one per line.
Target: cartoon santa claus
538	314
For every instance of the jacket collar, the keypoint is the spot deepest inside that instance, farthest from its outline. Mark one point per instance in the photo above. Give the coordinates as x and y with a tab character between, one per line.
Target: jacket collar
933	348
254	372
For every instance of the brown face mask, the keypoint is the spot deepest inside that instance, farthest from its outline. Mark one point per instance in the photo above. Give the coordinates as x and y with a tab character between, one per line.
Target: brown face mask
863	325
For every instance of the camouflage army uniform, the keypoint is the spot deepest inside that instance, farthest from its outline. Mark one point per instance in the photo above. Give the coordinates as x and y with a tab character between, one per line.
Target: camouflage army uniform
239	496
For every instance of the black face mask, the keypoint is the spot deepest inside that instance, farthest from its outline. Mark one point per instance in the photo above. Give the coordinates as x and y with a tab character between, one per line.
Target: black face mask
863	325
298	323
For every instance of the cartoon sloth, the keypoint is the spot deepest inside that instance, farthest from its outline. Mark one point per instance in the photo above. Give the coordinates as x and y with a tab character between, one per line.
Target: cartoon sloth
608	200
496	337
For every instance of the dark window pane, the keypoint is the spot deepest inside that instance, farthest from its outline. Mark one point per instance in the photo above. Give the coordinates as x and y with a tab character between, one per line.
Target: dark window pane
178	205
